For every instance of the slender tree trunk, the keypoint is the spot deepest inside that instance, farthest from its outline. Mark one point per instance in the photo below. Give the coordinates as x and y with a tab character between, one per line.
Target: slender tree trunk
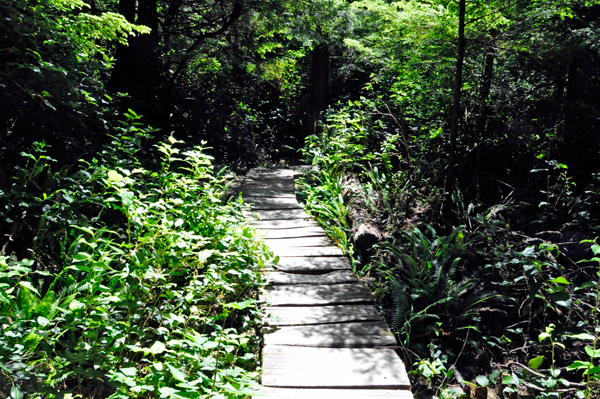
320	82
480	128
118	75
138	70
457	92
486	85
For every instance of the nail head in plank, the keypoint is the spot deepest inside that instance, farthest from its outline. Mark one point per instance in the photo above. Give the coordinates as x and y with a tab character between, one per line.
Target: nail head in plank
295	367
309	295
364	334
303	393
335	277
306	315
311	265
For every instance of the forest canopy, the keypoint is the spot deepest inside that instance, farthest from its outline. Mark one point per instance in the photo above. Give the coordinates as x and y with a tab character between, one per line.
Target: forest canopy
464	133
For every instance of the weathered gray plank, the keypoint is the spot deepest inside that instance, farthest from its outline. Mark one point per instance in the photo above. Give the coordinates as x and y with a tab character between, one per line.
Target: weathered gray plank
278	214
249	193
303	393
294	367
294	232
270	173
309	295
303	315
273	203
268	188
364	334
299	242
308	251
284	224
335	277
311	265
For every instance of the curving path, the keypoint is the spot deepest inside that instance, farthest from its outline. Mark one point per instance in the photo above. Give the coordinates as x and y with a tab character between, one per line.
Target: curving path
323	336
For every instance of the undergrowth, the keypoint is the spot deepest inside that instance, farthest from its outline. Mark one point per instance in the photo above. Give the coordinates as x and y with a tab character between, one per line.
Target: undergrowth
139	280
482	304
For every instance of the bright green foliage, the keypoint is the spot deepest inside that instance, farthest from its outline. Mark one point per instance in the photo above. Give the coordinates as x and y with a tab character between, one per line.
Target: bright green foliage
149	293
322	193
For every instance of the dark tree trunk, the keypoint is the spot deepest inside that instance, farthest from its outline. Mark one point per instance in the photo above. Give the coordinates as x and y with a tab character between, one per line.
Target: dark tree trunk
320	83
118	76
457	93
138	69
486	85
484	111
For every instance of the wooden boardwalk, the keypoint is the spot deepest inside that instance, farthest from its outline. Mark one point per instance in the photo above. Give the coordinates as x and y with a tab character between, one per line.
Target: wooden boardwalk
323	336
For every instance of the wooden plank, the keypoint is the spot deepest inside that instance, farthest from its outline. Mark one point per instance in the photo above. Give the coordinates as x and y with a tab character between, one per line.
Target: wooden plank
249	193
294	232
278	214
364	334
268	178
273	203
310	295
302	367
284	224
308	251
271	184
299	242
293	315
272	173
311	265
299	393
270	188
335	277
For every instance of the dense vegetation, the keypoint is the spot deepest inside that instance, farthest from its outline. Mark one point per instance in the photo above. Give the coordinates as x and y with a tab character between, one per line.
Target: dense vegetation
464	133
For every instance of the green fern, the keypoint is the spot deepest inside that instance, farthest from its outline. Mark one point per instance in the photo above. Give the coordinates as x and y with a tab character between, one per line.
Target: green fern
400	303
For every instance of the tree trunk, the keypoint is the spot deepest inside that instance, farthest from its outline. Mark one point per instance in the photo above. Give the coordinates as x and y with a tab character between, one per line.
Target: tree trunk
457	92
364	233
486	85
138	69
320	83
484	110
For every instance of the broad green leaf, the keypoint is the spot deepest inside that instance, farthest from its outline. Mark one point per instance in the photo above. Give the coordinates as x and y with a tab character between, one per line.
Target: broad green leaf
543	336
156	348
482	380
577	365
594	370
205	254
127	198
129	371
592	353
536	362
16	393
29	286
560	280
114	176
177	374
583	337
241	305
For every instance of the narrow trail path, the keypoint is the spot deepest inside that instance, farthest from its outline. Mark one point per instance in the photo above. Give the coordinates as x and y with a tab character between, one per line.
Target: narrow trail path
323	335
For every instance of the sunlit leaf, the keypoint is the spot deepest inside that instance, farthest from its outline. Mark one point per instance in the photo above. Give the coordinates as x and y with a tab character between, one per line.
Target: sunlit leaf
536	362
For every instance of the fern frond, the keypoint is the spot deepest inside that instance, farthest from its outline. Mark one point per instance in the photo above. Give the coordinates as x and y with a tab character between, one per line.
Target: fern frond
399	304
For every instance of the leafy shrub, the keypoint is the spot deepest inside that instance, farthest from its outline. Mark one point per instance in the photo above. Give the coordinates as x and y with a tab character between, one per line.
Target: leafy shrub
147	290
